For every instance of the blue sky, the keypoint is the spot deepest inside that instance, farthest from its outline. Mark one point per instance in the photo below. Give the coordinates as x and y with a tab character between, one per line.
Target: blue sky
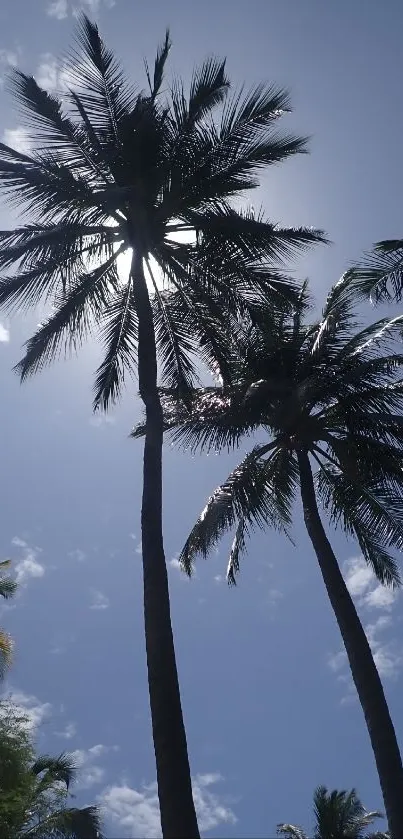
269	708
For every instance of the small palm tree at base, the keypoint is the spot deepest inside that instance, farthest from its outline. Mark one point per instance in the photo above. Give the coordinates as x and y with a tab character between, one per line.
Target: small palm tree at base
338	815
326	395
153	175
7	589
34	791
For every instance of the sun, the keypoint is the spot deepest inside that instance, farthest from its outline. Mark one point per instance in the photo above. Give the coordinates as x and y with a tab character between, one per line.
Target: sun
124	260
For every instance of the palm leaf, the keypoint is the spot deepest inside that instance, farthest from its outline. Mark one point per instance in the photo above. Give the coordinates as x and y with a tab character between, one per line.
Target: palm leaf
380	274
245	496
119	335
62	768
75	313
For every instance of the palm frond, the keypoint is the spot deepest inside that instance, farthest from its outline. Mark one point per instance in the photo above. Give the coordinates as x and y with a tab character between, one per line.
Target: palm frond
159	66
337	315
246	496
75	313
62	768
51	127
119	335
376	521
6	652
379	276
103	89
291	831
249	234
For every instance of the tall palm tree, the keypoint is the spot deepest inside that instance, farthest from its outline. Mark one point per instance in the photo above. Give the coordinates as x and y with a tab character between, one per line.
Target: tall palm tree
34	791
117	171
327	395
8	587
338	815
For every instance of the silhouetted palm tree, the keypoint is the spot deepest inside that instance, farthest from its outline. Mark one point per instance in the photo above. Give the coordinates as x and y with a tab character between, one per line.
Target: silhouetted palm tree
325	394
117	171
338	815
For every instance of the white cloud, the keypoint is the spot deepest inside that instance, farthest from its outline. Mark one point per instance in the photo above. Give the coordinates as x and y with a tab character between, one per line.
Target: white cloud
99	600
85	759
357	575
68	732
370	594
17	138
57	9
137	813
174	563
337	661
8	58
47	75
20	543
30	707
60	9
28	566
4	334
101	420
78	554
381	597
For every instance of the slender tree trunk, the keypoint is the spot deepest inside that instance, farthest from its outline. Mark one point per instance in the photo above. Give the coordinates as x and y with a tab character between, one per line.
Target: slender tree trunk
363	669
178	815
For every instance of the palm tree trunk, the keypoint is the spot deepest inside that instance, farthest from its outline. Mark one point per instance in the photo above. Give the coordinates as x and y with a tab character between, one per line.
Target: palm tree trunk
178	815
363	668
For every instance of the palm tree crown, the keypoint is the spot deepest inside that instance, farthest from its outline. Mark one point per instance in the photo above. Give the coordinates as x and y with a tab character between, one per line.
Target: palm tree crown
338	815
327	387
34	791
113	170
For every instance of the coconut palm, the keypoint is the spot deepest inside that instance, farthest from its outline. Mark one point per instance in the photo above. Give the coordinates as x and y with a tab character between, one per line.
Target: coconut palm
325	395
7	589
338	815
35	791
152	174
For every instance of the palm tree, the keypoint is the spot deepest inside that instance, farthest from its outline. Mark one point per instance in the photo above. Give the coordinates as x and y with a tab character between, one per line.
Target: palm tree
114	172
338	815
7	589
329	395
34	791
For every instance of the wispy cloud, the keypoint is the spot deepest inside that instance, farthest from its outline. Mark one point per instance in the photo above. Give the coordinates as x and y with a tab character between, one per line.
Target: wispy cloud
91	772
58	9
370	595
4	334
17	138
99	420
136	814
8	58
30	707
47	72
68	732
78	554
28	566
99	600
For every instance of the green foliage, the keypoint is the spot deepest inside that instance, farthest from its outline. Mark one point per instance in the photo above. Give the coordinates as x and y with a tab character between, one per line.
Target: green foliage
329	387
112	169
8	587
34	791
338	815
